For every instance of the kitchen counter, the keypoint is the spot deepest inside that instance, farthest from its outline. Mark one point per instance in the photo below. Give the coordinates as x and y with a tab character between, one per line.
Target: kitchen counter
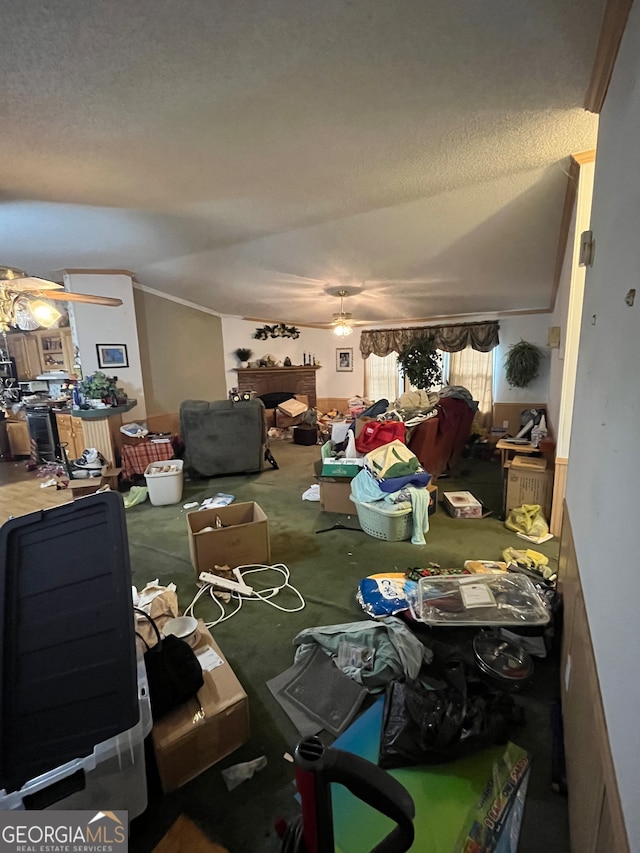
100	414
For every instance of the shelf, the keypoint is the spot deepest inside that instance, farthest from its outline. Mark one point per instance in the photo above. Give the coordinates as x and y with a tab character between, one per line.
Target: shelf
277	369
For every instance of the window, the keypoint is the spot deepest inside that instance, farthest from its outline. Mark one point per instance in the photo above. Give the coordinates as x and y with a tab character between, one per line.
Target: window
382	377
474	370
469	368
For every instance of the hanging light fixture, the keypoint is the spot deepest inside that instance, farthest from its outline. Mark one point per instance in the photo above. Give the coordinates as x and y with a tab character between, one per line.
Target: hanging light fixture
45	313
342	322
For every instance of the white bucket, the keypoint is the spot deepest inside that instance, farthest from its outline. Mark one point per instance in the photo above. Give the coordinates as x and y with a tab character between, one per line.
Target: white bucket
164	481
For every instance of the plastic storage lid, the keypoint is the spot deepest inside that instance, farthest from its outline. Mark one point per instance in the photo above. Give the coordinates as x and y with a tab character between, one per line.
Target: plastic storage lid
68	664
496	599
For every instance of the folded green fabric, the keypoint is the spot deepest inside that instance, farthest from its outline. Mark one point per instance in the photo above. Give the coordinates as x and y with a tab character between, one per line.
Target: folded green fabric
135	495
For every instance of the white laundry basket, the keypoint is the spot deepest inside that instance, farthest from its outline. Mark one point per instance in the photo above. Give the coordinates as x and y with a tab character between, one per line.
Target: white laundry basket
391	522
164	481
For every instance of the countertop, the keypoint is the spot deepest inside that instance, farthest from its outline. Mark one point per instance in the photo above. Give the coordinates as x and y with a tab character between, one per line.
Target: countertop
98	414
86	414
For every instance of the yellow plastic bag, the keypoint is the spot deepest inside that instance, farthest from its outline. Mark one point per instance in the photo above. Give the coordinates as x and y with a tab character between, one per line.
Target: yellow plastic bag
527	519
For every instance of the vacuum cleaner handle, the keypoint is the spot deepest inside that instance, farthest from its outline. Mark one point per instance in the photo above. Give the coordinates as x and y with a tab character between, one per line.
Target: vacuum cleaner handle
378	789
369	783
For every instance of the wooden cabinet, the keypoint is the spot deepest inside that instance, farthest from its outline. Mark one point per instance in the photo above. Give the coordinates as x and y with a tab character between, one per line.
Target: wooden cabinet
71	433
40	351
25	349
19	440
55	349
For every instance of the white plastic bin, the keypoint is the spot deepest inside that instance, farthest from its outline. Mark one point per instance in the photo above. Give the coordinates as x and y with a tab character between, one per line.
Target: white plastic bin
164	481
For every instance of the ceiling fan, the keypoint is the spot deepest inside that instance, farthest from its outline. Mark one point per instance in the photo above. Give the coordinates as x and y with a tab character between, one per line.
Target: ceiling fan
22	298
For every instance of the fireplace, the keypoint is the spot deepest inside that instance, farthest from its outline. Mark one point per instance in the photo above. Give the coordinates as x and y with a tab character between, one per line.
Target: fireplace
268	380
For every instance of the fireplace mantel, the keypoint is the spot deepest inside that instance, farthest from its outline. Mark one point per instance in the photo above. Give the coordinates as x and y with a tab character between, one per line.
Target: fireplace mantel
266	380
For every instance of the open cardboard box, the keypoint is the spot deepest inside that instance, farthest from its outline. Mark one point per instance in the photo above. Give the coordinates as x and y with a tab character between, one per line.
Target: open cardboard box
242	540
205	729
81	486
335	493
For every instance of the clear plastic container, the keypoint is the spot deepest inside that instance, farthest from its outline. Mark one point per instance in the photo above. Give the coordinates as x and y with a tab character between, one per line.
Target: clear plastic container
496	599
113	777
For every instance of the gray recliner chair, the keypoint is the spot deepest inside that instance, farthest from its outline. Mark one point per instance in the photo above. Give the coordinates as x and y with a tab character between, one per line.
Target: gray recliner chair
223	437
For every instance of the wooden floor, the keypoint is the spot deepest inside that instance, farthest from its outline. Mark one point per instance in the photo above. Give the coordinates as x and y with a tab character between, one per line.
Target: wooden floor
21	491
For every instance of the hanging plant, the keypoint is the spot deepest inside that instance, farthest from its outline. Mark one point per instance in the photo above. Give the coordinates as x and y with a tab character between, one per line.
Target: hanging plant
280	330
421	363
522	364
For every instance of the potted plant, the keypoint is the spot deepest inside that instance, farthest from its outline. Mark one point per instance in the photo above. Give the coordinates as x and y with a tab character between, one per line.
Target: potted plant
96	387
243	354
522	364
421	363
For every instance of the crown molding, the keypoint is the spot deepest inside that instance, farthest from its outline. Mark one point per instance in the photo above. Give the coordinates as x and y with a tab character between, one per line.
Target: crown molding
614	21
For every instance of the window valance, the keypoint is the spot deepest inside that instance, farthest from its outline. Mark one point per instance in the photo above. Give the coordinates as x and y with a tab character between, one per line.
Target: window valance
453	338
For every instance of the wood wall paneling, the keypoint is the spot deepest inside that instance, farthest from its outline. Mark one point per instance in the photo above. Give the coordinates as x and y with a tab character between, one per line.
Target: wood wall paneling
559	490
596	821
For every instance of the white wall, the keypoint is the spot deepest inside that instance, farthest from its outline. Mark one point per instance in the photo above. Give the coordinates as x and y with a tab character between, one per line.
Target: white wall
97	324
604	465
573	320
532	328
319	342
559	318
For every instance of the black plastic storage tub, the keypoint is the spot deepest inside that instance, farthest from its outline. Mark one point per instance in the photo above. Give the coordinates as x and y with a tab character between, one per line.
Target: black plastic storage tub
68	661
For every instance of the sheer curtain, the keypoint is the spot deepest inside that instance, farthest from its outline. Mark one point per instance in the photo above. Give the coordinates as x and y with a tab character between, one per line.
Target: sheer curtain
381	377
474	370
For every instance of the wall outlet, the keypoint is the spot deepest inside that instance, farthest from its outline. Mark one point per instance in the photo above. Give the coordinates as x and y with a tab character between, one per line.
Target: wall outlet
505	424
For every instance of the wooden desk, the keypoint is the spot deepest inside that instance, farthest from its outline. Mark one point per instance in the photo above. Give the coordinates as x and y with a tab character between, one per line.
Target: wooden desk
505	447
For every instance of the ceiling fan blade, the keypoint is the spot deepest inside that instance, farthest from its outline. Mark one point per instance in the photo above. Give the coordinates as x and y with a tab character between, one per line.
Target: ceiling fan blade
65	296
30	283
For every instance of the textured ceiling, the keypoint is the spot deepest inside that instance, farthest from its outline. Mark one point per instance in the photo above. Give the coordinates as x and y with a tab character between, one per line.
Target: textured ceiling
248	155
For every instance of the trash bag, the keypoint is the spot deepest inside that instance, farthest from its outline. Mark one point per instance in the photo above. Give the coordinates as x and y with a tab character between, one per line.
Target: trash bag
527	519
434	726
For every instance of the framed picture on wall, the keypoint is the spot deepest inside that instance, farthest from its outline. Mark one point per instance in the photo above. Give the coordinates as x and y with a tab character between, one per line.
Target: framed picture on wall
112	355
344	359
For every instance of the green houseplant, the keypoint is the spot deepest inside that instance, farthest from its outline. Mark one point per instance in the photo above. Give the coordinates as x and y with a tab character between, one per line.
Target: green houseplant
522	364
421	363
101	388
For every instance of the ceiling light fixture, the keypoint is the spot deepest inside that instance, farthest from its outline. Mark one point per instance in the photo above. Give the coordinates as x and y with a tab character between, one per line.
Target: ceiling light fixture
44	313
342	322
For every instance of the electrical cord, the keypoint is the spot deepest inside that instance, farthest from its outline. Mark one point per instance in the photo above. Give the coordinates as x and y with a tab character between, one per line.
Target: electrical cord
257	595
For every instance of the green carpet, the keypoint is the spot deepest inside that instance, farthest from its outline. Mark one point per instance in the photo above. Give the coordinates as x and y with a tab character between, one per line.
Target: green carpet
258	641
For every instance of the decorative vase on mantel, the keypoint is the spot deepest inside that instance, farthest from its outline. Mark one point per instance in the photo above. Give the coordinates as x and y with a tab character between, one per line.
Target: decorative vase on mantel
243	354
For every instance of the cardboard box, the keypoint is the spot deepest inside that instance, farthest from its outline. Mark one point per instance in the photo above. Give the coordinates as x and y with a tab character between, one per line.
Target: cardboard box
462	505
205	729
82	486
341	467
528	483
335	493
293	407
243	540
528	463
